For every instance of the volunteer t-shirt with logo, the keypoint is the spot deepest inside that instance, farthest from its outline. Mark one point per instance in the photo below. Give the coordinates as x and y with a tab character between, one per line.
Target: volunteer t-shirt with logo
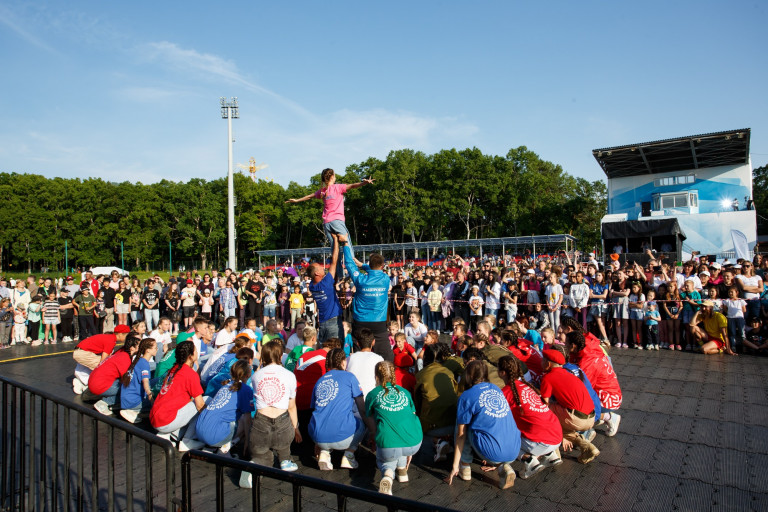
333	400
273	386
397	425
132	394
534	419
485	411
215	421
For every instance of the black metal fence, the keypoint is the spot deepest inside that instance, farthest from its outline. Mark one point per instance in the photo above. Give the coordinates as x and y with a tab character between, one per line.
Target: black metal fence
298	482
55	456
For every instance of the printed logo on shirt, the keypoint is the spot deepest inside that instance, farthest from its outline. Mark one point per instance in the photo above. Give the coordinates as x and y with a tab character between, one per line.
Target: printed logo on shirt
220	400
392	401
493	403
326	391
271	390
529	397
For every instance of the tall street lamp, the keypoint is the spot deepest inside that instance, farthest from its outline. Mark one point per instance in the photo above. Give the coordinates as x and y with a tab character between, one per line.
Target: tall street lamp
229	111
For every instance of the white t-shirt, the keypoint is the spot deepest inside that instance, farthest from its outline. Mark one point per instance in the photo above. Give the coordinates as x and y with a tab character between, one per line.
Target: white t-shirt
363	366
492	296
273	386
293	342
223	337
749	281
164	338
734	307
418	333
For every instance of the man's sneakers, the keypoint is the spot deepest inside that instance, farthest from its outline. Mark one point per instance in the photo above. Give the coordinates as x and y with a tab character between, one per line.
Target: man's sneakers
612	424
66	339
129	415
442	449
288	465
324	461
190	444
532	466
246	480
507	475
78	387
103	408
551	459
385	485
348	461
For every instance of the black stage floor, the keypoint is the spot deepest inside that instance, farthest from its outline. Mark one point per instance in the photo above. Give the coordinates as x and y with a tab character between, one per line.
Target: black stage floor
693	436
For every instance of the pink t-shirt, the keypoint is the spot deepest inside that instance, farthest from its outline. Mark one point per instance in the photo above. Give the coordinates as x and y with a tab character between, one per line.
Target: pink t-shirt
333	201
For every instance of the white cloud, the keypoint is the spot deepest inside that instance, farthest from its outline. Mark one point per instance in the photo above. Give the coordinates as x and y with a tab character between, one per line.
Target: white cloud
10	20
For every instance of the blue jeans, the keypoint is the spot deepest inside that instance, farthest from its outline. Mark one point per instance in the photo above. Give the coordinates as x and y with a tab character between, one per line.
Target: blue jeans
269	311
494	312
736	331
389	459
229	312
110	396
469	447
349	443
331	328
151	318
339	228
434	319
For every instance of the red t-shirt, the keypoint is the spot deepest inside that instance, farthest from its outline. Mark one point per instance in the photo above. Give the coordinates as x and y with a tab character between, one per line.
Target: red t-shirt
184	386
405	379
99	343
527	354
595	364
110	369
309	368
567	389
534	419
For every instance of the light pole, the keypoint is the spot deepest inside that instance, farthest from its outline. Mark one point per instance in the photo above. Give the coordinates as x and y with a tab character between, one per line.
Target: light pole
230	111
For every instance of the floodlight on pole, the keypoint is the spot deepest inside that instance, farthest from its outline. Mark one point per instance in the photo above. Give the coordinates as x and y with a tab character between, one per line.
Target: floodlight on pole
229	111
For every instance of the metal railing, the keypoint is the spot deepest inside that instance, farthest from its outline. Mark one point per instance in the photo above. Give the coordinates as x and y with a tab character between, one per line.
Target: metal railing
343	492
44	436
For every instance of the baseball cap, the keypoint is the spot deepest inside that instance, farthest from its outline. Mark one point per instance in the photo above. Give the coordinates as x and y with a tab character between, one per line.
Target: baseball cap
184	336
122	329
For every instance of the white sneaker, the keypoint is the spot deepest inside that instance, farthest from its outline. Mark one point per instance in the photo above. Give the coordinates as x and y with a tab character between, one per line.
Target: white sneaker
441	451
507	475
553	458
246	480
225	447
103	408
66	339
402	475
385	485
130	415
190	444
324	461
612	425
532	467
77	386
348	461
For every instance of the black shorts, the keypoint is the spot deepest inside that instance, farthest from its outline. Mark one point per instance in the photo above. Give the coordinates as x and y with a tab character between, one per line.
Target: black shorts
189	311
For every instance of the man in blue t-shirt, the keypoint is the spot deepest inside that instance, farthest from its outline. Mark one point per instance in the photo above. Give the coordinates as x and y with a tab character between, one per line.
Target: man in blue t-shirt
323	290
369	310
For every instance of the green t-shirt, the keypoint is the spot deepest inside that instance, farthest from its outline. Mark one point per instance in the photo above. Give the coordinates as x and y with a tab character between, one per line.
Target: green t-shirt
397	425
294	356
165	364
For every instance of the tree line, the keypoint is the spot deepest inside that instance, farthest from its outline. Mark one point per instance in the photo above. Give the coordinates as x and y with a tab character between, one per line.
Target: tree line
451	194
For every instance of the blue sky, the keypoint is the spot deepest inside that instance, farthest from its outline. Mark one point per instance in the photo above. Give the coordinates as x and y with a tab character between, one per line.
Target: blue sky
130	90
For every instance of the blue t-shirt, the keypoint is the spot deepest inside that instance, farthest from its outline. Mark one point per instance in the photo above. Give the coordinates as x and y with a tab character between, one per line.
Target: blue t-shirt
333	399
534	337
214	383
215	368
348	344
574	369
598	289
132	394
327	302
371	291
214	423
485	411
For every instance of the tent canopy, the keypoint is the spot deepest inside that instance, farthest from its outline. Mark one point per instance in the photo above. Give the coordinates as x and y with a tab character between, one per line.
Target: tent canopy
642	229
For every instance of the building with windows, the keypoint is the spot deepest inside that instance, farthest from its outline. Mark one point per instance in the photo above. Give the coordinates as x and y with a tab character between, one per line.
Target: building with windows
680	195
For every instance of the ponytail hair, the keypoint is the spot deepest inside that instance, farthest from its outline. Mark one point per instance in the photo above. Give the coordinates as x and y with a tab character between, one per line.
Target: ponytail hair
513	369
184	350
240	342
146	344
334	359
240	372
385	372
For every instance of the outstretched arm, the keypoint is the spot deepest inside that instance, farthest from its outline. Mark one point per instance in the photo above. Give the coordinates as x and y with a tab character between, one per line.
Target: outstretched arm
366	181
305	198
